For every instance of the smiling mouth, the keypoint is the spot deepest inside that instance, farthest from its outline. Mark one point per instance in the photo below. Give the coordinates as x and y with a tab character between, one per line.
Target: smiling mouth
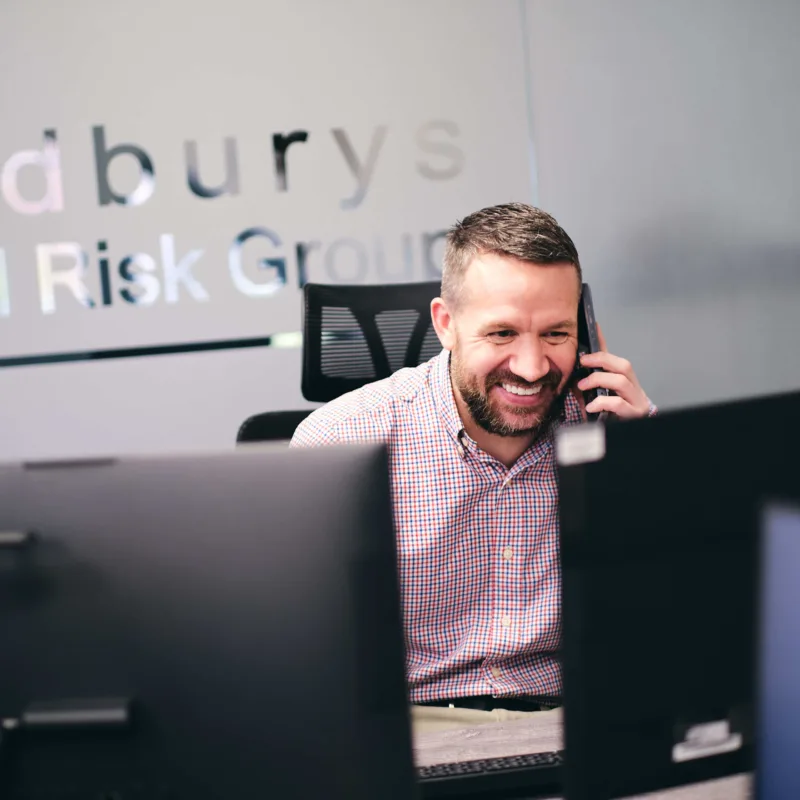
521	391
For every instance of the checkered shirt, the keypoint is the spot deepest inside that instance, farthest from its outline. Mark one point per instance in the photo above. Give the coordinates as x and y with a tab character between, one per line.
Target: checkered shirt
478	543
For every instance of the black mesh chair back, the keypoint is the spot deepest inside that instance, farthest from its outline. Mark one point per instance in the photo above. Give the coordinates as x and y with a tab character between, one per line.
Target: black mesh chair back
353	335
270	426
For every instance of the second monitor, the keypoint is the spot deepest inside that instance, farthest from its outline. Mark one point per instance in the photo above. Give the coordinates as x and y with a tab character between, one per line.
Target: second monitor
660	521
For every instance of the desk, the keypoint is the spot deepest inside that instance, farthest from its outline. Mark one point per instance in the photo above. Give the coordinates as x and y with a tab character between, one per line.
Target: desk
537	734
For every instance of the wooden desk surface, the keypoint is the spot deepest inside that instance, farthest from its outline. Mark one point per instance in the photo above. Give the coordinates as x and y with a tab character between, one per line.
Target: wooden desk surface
540	733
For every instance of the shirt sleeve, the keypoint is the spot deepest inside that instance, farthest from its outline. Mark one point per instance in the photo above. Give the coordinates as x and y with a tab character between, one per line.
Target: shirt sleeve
315	431
359	416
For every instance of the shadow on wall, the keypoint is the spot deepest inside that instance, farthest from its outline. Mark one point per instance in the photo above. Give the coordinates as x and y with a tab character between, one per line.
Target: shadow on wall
694	258
704	312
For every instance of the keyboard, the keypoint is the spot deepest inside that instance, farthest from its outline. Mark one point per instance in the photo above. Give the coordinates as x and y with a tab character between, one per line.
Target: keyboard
538	772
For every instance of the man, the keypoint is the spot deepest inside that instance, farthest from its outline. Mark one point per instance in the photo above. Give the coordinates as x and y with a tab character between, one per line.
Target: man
470	437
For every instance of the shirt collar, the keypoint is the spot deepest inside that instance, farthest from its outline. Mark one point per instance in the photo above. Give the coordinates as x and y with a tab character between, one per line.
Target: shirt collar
446	404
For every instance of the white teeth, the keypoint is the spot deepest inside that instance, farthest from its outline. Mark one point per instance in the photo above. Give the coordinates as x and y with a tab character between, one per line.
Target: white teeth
519	390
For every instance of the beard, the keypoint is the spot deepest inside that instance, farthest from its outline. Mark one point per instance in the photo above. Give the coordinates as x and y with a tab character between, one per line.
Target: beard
506	419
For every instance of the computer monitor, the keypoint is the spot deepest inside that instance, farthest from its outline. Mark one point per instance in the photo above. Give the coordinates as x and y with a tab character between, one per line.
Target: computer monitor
778	725
659	527
220	627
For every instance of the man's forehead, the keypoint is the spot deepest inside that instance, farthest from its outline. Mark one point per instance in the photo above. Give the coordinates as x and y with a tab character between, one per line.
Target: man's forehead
493	275
562	315
559	301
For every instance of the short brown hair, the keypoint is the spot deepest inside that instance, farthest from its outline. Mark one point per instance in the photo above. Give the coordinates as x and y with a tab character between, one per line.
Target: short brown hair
511	229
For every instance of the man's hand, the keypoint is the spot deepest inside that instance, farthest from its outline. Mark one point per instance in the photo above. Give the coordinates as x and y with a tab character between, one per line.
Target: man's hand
618	376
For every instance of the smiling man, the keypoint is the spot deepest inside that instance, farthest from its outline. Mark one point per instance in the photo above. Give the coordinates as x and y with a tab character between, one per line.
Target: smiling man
470	437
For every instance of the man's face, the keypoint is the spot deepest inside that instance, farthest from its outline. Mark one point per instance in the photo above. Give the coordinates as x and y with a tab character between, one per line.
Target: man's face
514	342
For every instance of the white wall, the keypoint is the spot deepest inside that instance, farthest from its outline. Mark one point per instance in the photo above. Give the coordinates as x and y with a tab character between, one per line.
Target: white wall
666	140
158	75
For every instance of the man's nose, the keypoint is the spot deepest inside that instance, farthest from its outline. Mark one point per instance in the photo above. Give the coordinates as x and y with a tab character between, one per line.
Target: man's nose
529	360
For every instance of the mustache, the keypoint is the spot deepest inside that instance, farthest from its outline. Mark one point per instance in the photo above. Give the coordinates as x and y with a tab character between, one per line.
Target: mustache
552	379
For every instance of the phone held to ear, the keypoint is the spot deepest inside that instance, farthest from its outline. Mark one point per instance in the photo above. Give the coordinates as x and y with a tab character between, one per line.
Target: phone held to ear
588	342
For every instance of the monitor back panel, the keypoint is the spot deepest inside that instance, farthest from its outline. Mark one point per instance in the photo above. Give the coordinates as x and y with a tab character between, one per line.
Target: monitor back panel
659	548
246	603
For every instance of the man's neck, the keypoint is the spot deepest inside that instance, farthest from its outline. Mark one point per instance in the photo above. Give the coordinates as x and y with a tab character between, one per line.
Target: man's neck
506	449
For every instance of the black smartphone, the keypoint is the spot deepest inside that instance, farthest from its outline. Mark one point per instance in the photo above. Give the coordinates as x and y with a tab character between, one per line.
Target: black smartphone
588	342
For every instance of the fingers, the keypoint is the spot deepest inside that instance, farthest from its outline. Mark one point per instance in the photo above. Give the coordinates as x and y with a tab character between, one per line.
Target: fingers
607	380
614	405
609	363
618	376
629	392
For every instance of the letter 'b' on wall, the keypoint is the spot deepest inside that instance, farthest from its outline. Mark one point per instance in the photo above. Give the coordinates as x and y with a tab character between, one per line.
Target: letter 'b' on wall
103	157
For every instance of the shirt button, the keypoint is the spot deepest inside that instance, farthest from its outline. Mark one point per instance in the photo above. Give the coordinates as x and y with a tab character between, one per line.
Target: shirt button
508	554
497	672
506	622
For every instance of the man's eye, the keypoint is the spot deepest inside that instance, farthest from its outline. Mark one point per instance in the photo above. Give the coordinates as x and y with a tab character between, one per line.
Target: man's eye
501	334
556	337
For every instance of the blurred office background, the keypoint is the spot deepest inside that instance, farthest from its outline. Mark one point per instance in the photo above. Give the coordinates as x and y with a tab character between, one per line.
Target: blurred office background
662	135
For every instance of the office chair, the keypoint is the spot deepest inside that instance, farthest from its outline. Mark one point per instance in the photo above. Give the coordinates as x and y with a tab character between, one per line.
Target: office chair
270	426
353	335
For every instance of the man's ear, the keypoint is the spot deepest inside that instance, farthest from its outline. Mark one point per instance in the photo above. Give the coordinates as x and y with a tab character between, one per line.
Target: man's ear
443	323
